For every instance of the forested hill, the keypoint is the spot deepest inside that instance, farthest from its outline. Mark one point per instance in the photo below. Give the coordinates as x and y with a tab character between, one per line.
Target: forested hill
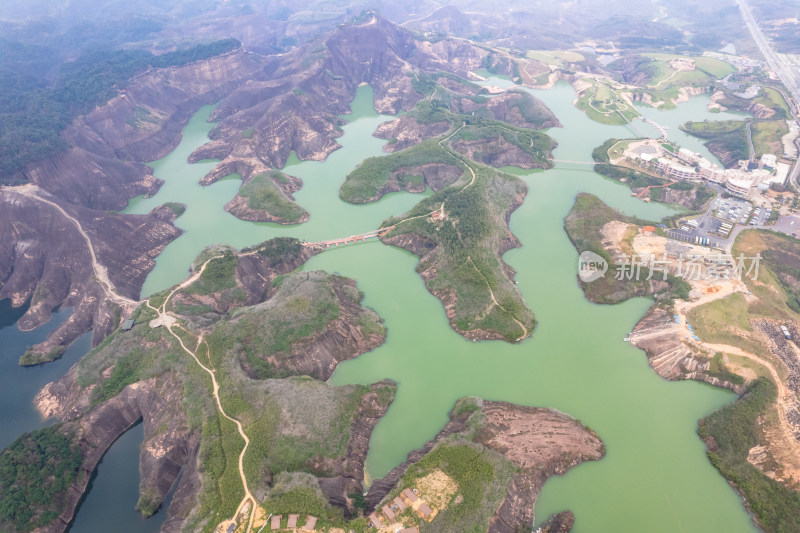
33	112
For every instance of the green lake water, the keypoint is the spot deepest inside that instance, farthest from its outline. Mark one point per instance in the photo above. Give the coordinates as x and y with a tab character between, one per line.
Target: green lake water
655	476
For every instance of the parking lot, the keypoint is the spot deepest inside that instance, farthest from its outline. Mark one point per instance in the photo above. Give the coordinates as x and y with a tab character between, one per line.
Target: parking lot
725	218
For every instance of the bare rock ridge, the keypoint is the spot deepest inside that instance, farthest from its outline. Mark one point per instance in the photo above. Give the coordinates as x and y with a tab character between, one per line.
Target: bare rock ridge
294	105
45	259
669	356
103	169
539	442
270	106
168	443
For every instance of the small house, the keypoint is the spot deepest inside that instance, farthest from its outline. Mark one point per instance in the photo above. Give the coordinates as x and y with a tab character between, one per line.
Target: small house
311	523
375	521
425	511
388	512
409	496
401	505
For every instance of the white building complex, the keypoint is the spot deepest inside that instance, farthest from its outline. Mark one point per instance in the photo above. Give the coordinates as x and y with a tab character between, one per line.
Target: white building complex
686	165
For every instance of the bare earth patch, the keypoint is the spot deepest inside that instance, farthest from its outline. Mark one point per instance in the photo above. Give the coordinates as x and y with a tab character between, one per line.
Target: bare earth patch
437	488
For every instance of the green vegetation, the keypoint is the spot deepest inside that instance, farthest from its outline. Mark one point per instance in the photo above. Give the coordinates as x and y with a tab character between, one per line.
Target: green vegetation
532	110
535	144
779	272
558	58
633	178
695	201
296	425
176	207
767	136
468	272
730	434
33	358
727	321
722	321
661	73
465	248
374	176
281	443
605	104
482	476
302	308
718	369
663	98
141	117
767	96
584	225
219	274
726	139
34	113
35	473
292	492
264	193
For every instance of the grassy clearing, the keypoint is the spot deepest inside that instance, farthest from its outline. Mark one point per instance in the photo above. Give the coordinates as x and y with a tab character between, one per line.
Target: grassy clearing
778	275
767	97
727	321
176	207
263	337
604	104
220	274
767	136
776	100
666	96
536	145
705	67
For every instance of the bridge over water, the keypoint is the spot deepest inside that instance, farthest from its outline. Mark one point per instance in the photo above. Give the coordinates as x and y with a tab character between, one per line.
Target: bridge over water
352	239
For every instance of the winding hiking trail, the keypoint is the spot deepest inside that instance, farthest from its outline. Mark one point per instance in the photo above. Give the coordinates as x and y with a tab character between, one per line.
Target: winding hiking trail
169	323
496	303
463	161
100	271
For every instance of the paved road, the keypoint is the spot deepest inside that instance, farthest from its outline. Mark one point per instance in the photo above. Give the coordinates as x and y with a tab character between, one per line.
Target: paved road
781	68
775	62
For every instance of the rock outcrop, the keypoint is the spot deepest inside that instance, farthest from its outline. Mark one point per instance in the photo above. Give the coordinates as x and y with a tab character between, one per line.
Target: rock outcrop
168	443
350	470
44	258
669	355
103	169
293	104
407	131
539	442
